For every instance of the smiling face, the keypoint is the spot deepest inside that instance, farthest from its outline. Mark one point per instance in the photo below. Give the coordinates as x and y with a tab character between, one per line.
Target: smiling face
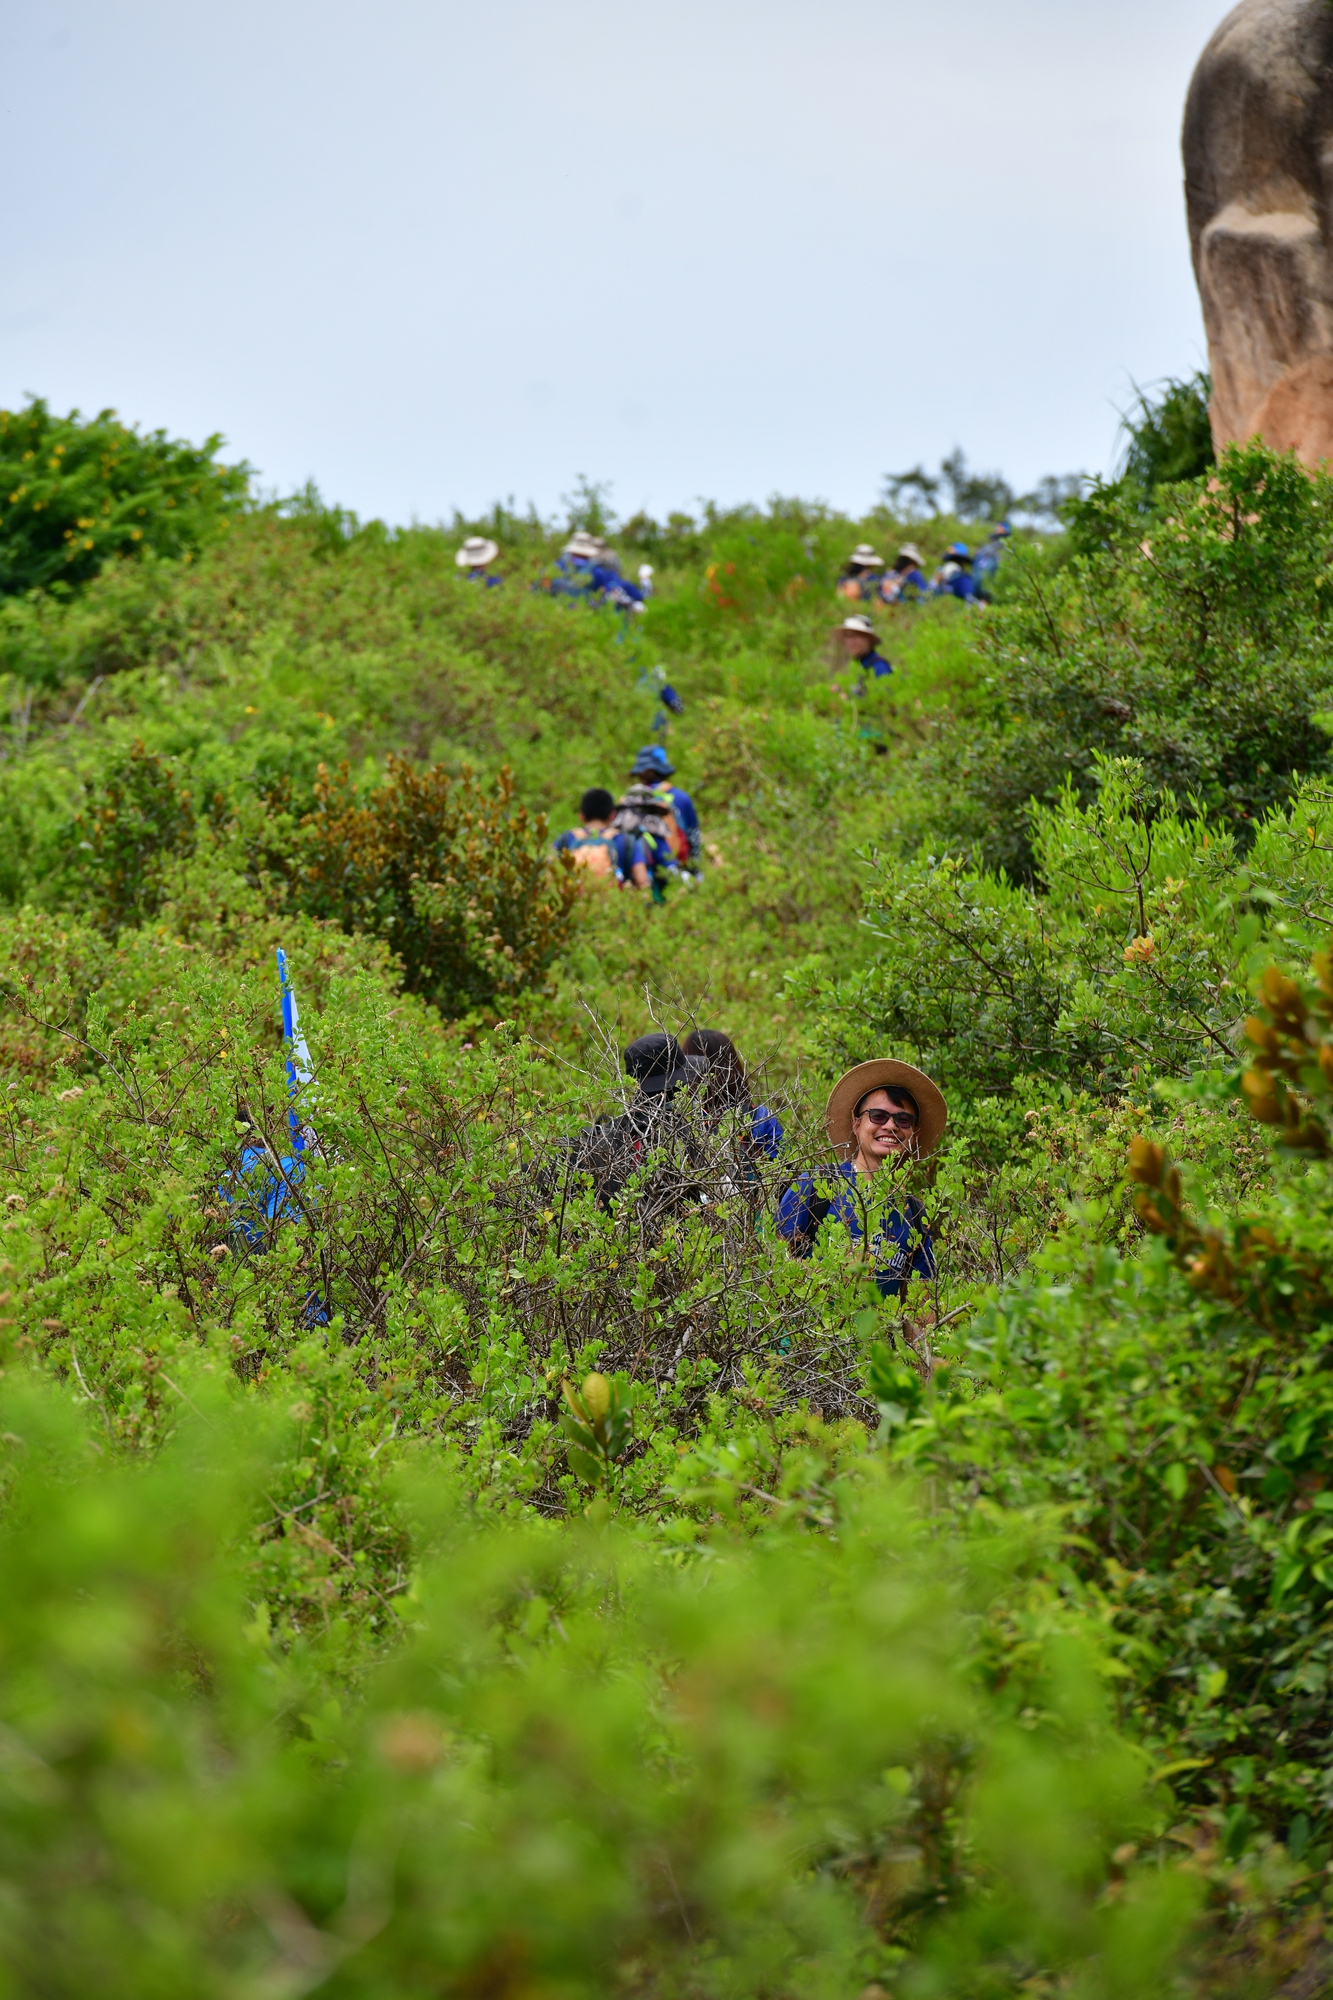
884	1128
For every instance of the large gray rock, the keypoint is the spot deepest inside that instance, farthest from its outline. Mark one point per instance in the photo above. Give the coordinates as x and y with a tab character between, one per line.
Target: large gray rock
1258	146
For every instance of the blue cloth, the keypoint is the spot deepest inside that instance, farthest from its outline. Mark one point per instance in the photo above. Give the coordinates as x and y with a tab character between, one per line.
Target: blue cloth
625	850
480	576
588	582
960	583
766	1131
906	580
877	664
900	1244
258	1196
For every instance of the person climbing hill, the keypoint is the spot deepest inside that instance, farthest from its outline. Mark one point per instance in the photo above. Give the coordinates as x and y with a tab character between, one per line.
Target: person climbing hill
954	576
475	558
644	816
652	767
862	580
906	581
585	572
602	848
879	1116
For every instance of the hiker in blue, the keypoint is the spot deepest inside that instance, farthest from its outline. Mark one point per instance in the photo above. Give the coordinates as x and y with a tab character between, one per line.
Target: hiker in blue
586	572
954	576
988	560
906	581
475	558
879	1116
602	848
652	767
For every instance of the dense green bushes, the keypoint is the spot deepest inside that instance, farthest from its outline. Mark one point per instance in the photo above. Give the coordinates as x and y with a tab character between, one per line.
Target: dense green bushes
452	1581
75	493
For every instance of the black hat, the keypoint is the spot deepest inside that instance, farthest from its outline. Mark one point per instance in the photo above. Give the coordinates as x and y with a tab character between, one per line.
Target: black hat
655	1062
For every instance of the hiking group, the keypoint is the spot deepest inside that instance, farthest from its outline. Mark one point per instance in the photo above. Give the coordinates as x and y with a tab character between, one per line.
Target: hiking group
648	838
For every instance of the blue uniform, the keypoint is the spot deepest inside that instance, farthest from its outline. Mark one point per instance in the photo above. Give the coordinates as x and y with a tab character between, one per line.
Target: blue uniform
766	1131
588	582
480	576
899	1244
955	581
903	583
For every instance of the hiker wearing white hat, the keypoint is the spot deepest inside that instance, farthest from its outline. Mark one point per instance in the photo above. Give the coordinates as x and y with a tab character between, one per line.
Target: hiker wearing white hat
586	570
906	581
475	558
861	576
879	1117
857	644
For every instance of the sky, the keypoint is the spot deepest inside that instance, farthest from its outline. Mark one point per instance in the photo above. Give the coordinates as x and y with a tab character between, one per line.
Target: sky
433	255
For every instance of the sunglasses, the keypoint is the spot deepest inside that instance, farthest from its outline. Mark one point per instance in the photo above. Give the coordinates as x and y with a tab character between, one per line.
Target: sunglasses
903	1121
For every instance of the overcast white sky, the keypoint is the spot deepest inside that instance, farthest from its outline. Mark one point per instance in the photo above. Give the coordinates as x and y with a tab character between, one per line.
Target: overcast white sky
433	254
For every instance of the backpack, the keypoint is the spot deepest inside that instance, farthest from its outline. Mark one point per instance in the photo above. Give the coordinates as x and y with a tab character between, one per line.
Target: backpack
596	852
643	815
671	826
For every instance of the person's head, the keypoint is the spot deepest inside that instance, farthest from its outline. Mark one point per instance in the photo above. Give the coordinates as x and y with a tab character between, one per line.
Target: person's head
582	548
716	1055
651	765
596	806
857	637
864	560
909	557
884	1110
958	552
885	1124
476	552
655	1063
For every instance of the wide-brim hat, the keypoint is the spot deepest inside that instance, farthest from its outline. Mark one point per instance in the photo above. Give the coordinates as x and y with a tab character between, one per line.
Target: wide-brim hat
885	1074
653	758
475	551
583	544
911	553
861	626
865	557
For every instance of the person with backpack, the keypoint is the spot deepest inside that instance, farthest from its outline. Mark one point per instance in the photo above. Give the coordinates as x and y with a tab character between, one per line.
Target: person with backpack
989	557
616	1148
879	1116
586	572
652	767
954	576
643	815
600	847
906	581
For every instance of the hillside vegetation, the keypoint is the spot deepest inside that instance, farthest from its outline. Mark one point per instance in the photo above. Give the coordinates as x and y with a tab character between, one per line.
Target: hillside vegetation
419	1577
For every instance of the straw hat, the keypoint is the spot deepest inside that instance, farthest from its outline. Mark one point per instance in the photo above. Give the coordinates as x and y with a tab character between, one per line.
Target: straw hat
475	551
581	543
884	1074
912	553
865	557
862	626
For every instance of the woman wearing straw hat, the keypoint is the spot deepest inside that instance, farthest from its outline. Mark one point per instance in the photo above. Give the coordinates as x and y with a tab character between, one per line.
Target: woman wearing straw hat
474	558
880	1115
907	579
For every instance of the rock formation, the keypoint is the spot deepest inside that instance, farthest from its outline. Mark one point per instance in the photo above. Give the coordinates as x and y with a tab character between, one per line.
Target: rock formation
1258	146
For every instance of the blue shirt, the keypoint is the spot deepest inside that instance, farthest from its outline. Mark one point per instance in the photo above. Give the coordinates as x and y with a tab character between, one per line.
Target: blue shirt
591	582
480	576
899	1243
766	1131
960	583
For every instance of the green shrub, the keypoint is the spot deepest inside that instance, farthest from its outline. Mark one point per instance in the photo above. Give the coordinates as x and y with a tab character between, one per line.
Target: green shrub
77	492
